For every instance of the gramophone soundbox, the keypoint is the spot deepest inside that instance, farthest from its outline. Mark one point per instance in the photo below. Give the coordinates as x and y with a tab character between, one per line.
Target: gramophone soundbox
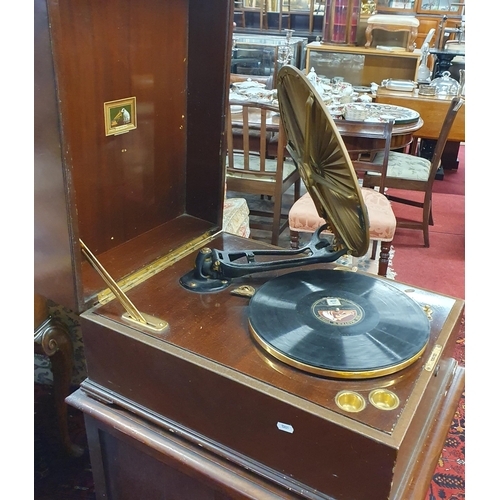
206	379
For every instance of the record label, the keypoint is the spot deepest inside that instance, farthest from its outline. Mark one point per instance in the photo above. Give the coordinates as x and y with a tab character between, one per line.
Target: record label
337	311
338	323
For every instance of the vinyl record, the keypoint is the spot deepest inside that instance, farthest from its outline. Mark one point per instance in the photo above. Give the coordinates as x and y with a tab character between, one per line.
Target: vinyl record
338	323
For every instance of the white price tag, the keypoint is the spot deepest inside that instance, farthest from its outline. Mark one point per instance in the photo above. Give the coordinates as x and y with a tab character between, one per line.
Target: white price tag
285	427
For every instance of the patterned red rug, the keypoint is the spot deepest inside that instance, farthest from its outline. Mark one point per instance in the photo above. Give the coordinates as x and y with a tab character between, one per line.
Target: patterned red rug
448	481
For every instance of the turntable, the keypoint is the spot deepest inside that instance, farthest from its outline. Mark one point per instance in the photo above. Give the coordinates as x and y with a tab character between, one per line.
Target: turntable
201	394
329	323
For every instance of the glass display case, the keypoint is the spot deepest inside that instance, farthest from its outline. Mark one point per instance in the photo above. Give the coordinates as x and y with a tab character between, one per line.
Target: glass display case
341	21
440	7
260	55
396	6
305	16
360	66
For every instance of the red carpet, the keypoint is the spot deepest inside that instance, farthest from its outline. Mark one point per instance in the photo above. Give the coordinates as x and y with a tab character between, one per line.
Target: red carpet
441	267
454	180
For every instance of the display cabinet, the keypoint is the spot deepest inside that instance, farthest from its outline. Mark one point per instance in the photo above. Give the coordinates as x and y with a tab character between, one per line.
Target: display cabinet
441	7
396	7
259	55
361	66
249	14
341	21
274	16
307	17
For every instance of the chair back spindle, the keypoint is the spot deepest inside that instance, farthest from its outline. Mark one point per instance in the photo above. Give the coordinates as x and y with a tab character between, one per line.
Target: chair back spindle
256	162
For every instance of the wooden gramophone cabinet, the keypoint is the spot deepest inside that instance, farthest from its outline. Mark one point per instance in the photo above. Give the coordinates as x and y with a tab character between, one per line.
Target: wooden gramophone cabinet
197	409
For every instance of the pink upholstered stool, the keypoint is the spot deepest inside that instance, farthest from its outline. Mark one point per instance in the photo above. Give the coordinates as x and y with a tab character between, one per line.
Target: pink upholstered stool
303	218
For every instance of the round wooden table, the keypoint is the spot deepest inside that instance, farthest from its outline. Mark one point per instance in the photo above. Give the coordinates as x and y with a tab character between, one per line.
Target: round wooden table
402	136
402	133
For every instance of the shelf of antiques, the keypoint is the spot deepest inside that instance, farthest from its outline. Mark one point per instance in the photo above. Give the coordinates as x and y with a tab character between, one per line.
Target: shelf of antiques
361	66
420	7
261	55
274	16
307	17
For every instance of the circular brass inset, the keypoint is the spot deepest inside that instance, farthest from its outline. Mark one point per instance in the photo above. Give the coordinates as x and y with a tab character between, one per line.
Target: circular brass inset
383	399
350	401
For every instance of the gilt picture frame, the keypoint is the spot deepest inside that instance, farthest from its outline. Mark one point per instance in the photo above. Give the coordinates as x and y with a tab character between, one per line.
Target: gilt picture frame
120	116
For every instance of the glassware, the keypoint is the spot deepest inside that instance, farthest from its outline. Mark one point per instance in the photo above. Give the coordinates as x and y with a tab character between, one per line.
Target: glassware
285	51
445	85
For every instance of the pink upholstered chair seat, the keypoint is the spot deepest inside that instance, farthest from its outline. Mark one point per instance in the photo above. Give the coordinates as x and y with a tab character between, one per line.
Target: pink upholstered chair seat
303	216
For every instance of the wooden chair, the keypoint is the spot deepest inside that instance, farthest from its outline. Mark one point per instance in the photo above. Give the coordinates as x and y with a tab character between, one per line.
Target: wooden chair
250	171
413	173
372	139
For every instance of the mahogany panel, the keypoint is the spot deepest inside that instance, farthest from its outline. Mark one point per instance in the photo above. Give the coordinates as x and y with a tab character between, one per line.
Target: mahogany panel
104	51
161	461
208	80
111	190
53	263
243	418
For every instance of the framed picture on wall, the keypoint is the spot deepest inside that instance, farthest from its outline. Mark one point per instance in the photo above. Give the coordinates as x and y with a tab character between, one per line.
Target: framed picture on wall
120	116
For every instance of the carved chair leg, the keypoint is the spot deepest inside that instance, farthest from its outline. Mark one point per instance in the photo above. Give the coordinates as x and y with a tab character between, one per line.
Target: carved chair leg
374	249
294	239
369	36
55	342
411	39
296	191
383	261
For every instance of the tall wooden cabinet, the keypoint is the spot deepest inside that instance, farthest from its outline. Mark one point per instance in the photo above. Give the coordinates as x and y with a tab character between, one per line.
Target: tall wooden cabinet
186	404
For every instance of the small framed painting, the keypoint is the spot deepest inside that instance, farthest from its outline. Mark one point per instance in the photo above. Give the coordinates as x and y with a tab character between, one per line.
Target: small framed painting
120	116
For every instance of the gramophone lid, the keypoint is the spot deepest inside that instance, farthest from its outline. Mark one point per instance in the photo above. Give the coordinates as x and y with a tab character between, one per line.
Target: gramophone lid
316	146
